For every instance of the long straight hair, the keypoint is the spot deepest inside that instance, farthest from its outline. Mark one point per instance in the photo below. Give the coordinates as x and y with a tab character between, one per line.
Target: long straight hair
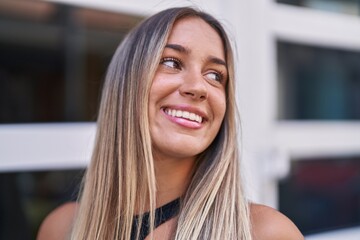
122	165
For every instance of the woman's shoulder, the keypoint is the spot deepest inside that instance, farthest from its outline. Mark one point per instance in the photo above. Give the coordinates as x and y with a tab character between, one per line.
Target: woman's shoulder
270	224
57	225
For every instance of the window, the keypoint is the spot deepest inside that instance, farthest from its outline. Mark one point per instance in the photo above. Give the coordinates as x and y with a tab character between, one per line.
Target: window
27	197
54	58
322	194
318	83
341	6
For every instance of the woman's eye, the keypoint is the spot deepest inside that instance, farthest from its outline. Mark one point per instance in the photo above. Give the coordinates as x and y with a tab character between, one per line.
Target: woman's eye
215	76
171	63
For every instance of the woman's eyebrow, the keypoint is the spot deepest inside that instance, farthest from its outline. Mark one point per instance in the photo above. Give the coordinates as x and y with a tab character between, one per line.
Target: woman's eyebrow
182	49
216	60
178	48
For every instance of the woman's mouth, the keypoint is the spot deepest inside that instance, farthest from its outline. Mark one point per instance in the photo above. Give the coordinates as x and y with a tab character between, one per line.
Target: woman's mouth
183	114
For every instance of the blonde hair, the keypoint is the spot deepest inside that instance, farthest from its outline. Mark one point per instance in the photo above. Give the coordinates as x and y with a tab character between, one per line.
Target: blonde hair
121	169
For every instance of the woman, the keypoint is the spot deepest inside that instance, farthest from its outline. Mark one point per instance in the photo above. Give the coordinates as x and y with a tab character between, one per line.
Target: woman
166	140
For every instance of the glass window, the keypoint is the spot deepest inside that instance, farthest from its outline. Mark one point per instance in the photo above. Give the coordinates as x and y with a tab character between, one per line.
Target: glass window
341	6
322	194
27	197
317	83
53	59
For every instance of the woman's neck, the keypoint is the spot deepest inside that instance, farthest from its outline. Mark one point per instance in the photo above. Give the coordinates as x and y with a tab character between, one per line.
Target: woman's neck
173	177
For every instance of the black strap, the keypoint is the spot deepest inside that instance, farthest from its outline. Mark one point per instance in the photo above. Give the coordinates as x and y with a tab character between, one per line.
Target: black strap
162	214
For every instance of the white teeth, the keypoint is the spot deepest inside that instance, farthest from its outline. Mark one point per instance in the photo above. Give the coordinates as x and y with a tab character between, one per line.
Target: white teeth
183	114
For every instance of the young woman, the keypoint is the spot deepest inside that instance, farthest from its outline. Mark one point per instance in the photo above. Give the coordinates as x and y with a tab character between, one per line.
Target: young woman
165	163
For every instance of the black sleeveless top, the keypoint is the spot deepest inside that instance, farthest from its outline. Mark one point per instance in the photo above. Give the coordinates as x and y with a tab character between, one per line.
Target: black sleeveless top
162	214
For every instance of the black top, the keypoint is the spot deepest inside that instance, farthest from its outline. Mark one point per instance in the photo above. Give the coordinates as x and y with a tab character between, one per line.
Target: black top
162	214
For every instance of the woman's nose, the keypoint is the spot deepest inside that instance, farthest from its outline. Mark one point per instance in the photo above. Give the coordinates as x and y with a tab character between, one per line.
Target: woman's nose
194	87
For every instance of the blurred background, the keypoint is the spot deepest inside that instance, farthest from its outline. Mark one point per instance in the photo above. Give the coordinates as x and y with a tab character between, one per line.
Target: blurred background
298	89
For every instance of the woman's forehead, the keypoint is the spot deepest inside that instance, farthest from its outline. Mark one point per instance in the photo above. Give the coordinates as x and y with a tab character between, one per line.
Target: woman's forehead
195	32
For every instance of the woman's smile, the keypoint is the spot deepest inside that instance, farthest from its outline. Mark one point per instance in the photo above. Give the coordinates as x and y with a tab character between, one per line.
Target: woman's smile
185	116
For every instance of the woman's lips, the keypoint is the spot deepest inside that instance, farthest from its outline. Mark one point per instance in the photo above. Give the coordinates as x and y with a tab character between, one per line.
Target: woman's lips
184	117
183	114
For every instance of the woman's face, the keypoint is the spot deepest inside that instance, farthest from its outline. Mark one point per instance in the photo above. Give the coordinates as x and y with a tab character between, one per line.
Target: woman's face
187	97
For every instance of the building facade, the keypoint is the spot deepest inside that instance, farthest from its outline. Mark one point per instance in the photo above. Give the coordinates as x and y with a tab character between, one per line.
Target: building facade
298	89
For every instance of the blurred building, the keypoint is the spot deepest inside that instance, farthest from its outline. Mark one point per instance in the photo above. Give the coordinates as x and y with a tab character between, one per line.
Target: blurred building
298	88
